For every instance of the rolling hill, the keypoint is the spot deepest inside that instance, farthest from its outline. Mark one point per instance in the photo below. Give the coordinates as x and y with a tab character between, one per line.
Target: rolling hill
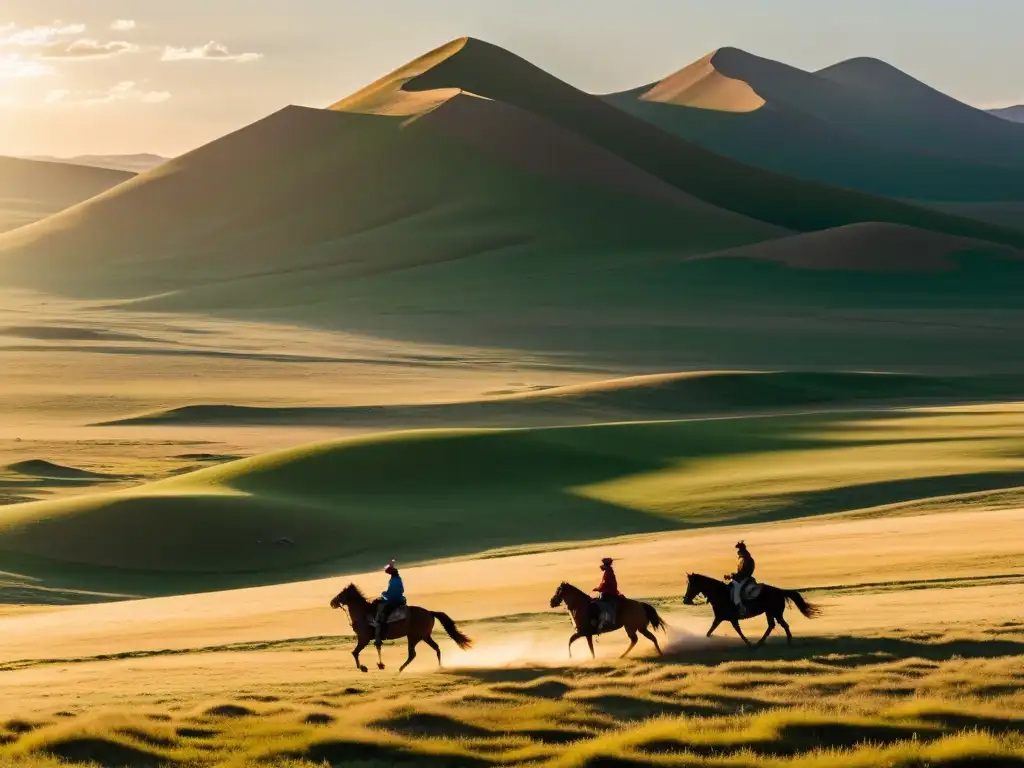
806	125
334	506
657	396
31	190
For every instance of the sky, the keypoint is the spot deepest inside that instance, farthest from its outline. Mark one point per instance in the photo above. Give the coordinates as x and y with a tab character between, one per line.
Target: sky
126	76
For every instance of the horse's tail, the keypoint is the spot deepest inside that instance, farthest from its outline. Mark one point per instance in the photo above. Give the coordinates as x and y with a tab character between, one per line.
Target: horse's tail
653	617
453	632
810	610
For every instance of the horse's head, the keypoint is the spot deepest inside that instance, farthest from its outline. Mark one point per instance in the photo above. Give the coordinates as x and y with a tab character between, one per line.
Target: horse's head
693	588
556	599
346	596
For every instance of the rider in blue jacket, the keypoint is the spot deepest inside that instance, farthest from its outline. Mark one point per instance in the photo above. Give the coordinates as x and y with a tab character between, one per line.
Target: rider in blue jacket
391	598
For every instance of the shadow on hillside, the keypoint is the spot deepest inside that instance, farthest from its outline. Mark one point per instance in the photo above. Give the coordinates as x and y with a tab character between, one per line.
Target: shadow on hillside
842	651
444	495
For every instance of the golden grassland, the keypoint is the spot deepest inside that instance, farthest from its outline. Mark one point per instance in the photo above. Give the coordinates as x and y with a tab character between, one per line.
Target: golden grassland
916	661
905	526
931	696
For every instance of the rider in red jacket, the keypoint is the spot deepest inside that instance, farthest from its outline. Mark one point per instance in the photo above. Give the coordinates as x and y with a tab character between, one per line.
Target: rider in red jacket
608	591
609	586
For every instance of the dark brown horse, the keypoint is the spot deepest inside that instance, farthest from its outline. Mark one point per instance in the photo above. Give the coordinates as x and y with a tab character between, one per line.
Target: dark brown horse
771	602
631	615
417	626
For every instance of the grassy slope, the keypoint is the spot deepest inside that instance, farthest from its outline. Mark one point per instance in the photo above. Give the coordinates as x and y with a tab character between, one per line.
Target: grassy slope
33	189
430	494
897	671
309	198
642	397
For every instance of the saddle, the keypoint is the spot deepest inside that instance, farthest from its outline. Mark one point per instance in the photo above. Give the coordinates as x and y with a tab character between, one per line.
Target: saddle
751	590
398	614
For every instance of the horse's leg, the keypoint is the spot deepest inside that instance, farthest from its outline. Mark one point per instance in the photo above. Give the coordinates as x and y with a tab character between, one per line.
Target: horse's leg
771	626
714	626
736	626
360	644
437	649
576	636
650	636
412	652
380	661
590	643
632	641
785	626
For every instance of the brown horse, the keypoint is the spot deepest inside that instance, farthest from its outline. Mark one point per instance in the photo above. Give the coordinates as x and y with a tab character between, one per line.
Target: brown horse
416	626
631	615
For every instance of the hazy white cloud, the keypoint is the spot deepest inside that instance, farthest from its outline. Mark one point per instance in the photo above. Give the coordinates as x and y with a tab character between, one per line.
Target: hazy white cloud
212	51
127	90
123	25
33	37
88	49
13	66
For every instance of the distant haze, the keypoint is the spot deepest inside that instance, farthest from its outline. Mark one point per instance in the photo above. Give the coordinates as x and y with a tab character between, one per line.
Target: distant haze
134	163
129	76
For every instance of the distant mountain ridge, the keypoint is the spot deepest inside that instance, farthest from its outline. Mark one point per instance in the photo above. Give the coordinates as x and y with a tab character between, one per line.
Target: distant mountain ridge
137	163
861	124
1013	114
31	190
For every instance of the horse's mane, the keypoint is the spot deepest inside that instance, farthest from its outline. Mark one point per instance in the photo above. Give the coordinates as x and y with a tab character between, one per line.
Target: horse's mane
700	577
566	586
359	593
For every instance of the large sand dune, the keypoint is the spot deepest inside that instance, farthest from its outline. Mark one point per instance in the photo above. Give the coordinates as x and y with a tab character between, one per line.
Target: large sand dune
783	119
883	104
33	189
701	85
311	195
486	70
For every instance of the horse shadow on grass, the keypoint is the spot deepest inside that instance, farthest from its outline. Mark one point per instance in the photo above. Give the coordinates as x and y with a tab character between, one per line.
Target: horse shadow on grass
841	651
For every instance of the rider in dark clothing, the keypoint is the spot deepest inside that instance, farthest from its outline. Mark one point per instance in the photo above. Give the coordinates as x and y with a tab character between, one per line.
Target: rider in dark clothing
608	593
391	598
744	572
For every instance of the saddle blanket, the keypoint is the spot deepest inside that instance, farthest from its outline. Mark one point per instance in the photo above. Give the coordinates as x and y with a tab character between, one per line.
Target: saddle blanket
751	590
399	614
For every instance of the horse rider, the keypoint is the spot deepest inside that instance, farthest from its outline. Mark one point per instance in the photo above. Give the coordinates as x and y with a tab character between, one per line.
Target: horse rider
391	598
608	594
744	572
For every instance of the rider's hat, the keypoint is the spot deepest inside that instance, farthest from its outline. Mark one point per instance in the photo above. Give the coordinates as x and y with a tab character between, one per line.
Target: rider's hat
390	567
606	560
740	545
